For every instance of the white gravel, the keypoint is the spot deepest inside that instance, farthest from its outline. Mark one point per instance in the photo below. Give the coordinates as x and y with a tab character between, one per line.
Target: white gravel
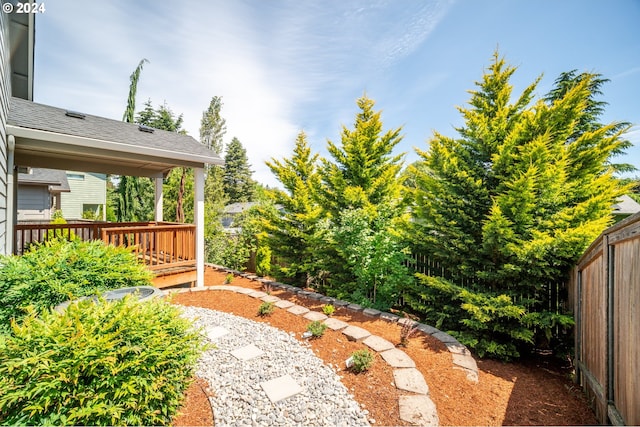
240	400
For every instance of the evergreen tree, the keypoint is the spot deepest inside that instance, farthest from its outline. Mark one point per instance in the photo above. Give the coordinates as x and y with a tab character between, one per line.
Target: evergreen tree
213	126
237	183
592	109
361	194
363	173
507	209
178	185
130	203
290	230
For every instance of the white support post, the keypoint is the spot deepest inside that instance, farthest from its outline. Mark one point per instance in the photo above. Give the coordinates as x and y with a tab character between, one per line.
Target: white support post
198	210
158	192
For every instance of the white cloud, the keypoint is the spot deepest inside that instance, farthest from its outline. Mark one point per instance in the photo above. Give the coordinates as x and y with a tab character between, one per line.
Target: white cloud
279	66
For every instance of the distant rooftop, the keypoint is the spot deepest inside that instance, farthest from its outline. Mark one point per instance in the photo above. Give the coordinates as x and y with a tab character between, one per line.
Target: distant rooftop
55	179
626	206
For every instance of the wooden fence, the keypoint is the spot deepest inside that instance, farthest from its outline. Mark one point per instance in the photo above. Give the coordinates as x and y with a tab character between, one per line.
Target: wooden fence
604	294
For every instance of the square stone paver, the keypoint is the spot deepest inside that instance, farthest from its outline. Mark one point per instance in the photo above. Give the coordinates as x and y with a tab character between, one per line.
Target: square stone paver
355	333
284	304
258	294
315	316
398	359
418	410
378	344
280	388
215	332
247	352
335	324
270	298
245	291
298	310
410	379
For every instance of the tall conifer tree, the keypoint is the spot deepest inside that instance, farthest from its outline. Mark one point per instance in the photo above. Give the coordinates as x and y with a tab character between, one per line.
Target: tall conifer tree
236	180
361	193
290	231
507	208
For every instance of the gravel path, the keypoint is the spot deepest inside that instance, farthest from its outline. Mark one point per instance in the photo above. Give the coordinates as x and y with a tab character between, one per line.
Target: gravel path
239	397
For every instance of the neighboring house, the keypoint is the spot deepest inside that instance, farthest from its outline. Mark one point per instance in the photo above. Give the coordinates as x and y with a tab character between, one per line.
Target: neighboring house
88	195
231	212
625	207
39	192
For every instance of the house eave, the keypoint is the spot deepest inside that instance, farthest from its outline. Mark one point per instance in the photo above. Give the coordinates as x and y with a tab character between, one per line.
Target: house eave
41	148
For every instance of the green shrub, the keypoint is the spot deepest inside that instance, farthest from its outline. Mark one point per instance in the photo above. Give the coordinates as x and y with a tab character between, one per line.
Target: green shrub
59	270
228	278
328	309
98	363
265	309
361	360
316	328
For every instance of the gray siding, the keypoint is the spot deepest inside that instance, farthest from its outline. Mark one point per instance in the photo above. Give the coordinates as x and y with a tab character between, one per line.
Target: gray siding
91	189
5	90
34	203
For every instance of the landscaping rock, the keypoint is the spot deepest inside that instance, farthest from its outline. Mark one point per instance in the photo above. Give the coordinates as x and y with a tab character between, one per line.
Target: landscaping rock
355	333
315	316
270	298
298	310
418	410
410	379
335	324
371	312
284	304
377	343
444	337
397	359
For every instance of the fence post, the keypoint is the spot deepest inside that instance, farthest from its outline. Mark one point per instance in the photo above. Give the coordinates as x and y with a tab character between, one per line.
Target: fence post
610	250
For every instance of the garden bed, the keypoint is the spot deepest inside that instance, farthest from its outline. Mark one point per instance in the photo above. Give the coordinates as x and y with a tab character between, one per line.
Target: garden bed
534	391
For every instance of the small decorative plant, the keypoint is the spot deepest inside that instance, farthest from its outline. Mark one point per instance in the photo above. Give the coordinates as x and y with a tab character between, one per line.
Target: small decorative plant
265	309
360	361
228	279
316	328
328	309
409	327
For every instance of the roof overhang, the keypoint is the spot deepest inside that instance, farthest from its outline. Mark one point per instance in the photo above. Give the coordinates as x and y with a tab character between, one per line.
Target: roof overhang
37	148
54	138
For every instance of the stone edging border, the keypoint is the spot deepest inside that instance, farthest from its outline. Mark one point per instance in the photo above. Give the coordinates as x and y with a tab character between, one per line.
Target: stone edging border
462	358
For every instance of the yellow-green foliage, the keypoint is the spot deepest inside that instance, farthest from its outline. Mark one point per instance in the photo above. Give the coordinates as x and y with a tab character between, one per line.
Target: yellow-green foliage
59	270
505	209
98	363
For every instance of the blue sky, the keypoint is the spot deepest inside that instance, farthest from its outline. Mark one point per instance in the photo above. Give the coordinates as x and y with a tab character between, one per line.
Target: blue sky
285	66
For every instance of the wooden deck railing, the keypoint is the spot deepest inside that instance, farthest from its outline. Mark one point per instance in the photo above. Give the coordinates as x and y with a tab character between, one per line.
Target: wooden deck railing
159	244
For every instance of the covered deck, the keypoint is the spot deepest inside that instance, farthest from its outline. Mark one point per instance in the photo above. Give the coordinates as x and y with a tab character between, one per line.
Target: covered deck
167	249
45	136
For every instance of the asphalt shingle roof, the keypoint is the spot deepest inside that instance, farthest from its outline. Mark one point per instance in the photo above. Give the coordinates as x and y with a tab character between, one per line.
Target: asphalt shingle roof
42	117
56	178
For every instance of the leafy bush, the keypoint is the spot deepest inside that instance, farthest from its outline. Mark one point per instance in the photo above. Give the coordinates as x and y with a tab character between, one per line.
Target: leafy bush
316	328
228	278
98	363
265	309
361	360
328	309
59	270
